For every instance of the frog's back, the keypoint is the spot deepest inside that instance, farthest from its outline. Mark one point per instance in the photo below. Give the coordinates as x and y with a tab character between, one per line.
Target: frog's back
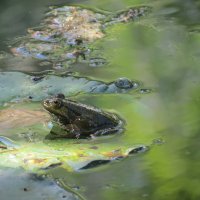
92	113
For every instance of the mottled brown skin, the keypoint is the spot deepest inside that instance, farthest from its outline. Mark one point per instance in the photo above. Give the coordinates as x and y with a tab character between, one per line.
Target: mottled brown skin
80	120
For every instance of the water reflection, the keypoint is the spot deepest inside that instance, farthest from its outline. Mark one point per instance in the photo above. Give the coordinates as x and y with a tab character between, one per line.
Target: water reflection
18	15
185	12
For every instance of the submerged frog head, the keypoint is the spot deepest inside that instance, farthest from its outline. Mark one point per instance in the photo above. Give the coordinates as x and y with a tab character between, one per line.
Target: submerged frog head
80	120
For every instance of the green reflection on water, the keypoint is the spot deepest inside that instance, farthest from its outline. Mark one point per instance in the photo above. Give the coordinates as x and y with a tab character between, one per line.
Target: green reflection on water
164	55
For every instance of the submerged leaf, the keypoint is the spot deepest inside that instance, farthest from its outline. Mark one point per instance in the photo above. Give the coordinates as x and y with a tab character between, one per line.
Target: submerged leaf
17	86
70	155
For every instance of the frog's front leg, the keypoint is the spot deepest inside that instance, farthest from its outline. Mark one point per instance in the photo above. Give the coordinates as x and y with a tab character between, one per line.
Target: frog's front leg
74	130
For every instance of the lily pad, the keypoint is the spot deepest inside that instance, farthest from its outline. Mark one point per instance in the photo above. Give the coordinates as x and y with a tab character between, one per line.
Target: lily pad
17	86
28	186
71	155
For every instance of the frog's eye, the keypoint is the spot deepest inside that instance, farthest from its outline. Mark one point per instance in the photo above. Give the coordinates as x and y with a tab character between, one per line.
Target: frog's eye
60	96
57	103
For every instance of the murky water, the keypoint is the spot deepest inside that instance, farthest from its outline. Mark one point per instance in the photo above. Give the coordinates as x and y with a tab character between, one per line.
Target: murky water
161	51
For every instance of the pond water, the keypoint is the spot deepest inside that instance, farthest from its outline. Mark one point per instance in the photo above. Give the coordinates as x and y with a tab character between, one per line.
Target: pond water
161	51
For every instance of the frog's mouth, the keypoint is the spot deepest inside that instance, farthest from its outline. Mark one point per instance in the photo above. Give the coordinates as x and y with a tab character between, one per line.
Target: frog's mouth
47	105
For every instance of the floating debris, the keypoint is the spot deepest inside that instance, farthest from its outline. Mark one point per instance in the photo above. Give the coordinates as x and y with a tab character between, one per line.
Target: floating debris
97	62
36	79
139	149
66	33
95	163
125	83
131	14
158	141
145	91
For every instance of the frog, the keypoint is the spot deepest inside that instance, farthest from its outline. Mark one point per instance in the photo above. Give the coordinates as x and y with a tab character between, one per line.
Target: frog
75	120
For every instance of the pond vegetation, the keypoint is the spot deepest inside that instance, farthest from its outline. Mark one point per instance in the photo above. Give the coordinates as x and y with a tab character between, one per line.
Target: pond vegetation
145	70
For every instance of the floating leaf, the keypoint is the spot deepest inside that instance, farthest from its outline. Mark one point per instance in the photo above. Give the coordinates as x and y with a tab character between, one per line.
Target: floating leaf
17	86
70	155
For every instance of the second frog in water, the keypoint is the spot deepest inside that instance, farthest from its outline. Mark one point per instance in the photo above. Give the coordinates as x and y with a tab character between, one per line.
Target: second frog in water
76	120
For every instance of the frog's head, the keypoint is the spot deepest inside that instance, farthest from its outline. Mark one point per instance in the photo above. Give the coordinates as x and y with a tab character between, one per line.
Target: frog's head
56	106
